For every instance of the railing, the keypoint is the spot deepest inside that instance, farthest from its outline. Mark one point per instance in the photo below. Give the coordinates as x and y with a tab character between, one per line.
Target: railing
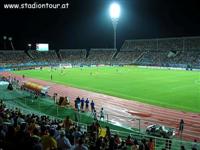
160	143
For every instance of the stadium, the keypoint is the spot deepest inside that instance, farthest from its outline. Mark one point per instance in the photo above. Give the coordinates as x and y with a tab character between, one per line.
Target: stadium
145	82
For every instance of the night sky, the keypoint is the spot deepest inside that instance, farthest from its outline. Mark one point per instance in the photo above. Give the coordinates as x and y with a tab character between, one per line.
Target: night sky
87	24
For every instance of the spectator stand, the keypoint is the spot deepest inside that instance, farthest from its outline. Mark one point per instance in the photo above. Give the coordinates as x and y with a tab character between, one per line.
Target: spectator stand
139	137
98	56
73	56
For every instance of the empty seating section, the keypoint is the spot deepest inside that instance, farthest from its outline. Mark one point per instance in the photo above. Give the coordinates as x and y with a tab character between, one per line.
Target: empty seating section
192	44
169	44
133	45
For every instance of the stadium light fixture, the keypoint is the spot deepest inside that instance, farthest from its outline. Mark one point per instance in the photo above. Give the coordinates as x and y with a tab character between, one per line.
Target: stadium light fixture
29	46
4	42
114	15
114	11
5	37
10	38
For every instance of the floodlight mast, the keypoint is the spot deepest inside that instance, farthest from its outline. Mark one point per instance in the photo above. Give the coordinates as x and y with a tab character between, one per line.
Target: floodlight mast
115	14
4	42
115	22
11	43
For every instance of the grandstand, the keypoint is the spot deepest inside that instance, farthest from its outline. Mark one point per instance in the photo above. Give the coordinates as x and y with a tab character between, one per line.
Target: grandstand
156	51
44	56
128	57
168	52
73	56
12	57
100	56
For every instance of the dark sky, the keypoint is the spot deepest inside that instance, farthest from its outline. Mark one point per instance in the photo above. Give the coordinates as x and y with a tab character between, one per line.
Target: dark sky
86	23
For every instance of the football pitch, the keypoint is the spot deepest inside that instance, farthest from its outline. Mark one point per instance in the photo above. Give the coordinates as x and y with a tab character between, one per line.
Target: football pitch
176	89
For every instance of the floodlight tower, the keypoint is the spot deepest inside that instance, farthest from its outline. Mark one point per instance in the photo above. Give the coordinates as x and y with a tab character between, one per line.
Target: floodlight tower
11	43
114	15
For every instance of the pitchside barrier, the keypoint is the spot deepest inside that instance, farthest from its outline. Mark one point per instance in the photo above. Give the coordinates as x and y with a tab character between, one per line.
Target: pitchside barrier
119	120
160	143
140	125
132	122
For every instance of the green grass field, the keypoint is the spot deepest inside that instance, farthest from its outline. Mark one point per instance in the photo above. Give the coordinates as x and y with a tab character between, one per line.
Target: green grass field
167	88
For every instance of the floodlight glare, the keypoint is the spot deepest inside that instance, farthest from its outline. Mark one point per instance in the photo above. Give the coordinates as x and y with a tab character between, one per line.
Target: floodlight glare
10	38
4	37
114	11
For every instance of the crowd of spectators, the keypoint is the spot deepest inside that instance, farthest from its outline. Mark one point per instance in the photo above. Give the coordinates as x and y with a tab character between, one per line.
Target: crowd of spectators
156	51
73	56
30	131
100	56
141	52
13	57
142	57
180	59
44	56
127	57
33	132
163	44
